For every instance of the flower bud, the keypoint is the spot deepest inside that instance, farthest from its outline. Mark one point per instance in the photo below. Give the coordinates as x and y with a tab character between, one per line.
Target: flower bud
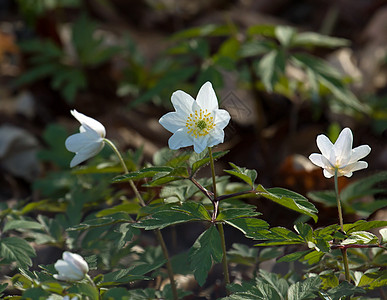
71	268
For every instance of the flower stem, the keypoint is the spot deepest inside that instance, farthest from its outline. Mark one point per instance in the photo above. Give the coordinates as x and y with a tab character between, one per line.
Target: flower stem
338	202
158	232
126	171
212	172
343	251
168	264
215	202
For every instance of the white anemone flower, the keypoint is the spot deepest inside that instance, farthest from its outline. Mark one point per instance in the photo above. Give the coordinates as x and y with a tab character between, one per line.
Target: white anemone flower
88	142
199	123
71	268
340	155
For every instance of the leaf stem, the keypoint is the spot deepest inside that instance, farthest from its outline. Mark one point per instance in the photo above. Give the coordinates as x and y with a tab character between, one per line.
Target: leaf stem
158	232
215	202
344	250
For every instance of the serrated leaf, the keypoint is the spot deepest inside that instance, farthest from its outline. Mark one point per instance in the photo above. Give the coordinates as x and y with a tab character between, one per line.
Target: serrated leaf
163	219
21	224
313	39
373	279
278	236
101	222
343	290
361	237
206	250
249	226
14	249
85	289
304	230
285	35
194	209
328	198
290	200
293	256
271	67
244	174
234	213
304	289
144	173
362	225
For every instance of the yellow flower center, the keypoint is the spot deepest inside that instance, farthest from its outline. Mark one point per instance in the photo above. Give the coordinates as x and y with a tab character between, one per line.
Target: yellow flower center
200	123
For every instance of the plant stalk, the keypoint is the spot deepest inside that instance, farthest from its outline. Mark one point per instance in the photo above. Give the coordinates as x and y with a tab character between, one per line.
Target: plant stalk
215	202
343	251
158	232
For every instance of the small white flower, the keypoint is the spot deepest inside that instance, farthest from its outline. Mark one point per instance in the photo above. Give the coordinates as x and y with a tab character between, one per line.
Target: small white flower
340	155
88	142
199	123
71	268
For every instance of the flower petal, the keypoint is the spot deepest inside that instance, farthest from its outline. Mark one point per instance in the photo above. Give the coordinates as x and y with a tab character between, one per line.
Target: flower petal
206	97
76	142
172	121
180	139
324	145
354	167
359	152
200	143
90	122
317	159
216	137
86	152
328	173
343	147
182	102
222	117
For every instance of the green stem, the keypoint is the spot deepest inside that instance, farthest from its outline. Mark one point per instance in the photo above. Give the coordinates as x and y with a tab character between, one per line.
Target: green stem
93	284
158	232
338	202
215	202
343	251
212	172
168	264
126	171
224	259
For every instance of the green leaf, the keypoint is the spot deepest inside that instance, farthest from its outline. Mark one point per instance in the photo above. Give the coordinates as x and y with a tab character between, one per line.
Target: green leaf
278	236
304	230
206	250
244	174
290	200
293	256
14	249
265	30
249	226
21	224
199	160
194	209
234	213
119	217
84	289
271	67
343	290
205	30
304	289
144	173
327	198
163	219
361	237
313	39
373	279
255	48
362	225
285	35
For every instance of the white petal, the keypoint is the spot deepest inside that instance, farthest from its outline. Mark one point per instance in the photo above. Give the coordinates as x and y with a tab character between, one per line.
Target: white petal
222	117
86	152
343	147
354	167
200	143
206	97
328	173
173	121
76	260
76	142
182	102
324	145
180	139
216	137
317	159
90	122
359	152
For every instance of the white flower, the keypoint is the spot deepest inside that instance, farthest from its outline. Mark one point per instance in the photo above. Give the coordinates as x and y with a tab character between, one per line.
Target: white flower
71	268
340	155
199	123
88	142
